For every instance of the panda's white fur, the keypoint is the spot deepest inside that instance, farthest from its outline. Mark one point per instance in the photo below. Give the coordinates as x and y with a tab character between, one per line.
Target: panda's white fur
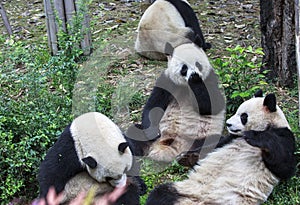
235	173
83	182
163	23
95	135
188	54
192	104
92	144
259	119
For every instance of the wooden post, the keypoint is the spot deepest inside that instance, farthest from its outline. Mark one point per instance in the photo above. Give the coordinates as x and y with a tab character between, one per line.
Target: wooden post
51	27
60	8
64	10
297	29
87	38
5	19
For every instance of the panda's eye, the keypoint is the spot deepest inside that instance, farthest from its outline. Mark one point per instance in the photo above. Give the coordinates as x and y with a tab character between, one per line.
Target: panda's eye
108	179
184	70
199	66
244	118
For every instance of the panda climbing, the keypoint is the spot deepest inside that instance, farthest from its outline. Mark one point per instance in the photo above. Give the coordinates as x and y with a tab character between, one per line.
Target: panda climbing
91	148
185	109
245	170
168	21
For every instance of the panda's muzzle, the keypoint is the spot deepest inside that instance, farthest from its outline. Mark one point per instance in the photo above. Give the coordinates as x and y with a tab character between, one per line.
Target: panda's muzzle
229	128
119	182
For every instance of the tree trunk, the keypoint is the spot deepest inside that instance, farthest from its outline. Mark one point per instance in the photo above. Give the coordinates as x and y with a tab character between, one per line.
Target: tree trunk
278	40
297	26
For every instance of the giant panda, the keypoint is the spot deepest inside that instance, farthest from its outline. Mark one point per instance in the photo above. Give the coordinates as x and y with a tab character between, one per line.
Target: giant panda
185	109
92	146
245	170
172	21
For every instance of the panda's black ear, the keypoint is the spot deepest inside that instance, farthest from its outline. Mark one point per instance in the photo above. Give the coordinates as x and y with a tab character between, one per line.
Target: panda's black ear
169	49
90	161
270	102
122	146
258	93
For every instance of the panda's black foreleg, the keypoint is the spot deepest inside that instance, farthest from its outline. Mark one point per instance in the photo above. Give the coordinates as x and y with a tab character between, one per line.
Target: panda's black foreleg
202	147
61	163
165	194
207	95
278	150
135	189
155	107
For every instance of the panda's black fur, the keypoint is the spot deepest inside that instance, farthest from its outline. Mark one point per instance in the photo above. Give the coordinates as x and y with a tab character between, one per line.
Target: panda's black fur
278	149
246	166
191	20
59	165
168	21
62	163
185	109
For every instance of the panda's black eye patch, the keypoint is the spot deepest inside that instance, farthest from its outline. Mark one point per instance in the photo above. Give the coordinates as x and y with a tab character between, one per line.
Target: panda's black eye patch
199	66
108	179
184	70
244	118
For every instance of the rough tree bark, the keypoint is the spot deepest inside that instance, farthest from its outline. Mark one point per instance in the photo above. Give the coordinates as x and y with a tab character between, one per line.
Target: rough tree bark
297	26
277	21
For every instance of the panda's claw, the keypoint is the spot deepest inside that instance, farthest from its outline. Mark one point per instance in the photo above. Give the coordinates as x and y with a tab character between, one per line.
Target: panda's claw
188	159
194	78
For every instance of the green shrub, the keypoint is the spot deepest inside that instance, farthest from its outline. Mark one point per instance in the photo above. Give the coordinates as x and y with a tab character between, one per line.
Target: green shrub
36	105
240	74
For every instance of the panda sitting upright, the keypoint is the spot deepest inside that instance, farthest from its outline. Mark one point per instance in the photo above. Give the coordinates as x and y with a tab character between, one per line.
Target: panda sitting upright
245	170
185	109
91	151
172	21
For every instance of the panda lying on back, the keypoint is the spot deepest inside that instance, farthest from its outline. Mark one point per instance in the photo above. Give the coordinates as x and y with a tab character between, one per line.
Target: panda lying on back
243	171
168	21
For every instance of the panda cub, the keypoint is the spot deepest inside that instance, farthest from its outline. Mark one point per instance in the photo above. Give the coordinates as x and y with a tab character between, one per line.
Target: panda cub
185	109
172	21
245	170
91	149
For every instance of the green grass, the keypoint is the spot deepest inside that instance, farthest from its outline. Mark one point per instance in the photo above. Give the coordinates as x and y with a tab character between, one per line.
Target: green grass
40	94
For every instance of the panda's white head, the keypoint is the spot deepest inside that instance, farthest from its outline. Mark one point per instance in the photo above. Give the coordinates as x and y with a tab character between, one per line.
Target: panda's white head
101	148
258	114
186	60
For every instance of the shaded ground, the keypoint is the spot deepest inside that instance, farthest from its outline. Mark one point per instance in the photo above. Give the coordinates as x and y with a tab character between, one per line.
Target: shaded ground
225	23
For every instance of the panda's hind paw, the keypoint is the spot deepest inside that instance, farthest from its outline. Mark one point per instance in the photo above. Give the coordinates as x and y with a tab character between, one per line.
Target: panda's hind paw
188	159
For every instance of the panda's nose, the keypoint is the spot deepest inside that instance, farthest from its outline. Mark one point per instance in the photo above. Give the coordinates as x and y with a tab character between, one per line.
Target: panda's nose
228	124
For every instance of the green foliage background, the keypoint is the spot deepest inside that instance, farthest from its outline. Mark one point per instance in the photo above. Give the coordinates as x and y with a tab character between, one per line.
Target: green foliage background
36	92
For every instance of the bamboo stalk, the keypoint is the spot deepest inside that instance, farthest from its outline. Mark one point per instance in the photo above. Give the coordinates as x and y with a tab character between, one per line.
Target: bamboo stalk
5	19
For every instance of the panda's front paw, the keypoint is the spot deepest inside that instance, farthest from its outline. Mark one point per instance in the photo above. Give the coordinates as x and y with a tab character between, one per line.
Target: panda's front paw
194	78
254	138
